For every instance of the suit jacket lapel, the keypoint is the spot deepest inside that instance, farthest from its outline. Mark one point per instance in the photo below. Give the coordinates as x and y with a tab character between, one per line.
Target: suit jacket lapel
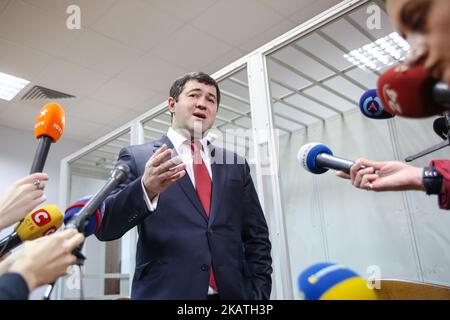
219	177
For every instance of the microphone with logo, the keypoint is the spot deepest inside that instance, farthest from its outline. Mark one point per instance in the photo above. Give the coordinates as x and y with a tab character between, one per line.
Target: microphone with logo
48	128
330	281
317	158
370	106
38	223
411	92
95	220
81	219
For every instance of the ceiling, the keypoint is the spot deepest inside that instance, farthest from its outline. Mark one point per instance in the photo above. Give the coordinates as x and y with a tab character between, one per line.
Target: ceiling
310	81
127	53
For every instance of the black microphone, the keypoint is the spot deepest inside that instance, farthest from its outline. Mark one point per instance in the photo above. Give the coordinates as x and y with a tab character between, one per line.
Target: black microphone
119	174
81	221
317	158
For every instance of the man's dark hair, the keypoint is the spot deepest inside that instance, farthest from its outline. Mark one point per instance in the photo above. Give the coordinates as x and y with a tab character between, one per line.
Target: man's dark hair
178	85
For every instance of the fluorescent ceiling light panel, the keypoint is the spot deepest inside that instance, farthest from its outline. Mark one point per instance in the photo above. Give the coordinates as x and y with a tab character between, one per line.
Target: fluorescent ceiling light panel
10	86
379	54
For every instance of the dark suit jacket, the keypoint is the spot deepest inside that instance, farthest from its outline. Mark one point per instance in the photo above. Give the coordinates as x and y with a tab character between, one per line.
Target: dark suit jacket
178	243
13	287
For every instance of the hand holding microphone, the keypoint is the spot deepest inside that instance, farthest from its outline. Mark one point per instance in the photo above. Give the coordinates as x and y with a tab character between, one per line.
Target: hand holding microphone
21	197
38	223
384	176
43	260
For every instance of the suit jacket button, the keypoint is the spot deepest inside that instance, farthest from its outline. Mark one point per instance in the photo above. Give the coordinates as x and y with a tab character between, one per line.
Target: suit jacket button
204	267
210	231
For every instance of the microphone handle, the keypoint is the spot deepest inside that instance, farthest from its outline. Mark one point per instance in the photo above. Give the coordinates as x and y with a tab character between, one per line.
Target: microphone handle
331	162
41	154
9	243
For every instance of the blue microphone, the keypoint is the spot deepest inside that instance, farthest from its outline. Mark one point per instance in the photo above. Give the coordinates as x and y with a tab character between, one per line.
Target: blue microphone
331	281
317	158
370	106
95	220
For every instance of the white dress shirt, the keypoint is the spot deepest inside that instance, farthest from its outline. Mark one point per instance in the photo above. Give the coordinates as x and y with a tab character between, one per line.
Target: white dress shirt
182	146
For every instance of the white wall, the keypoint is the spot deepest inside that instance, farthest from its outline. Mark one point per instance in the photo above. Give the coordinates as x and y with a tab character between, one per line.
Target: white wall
405	234
16	156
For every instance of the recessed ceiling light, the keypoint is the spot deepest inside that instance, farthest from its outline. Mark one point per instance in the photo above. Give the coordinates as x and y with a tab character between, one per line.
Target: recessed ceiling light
10	86
379	54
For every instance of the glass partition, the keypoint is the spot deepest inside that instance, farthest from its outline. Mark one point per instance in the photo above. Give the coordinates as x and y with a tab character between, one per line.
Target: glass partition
106	270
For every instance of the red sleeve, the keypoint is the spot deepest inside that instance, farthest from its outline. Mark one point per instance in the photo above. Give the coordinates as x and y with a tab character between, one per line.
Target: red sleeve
443	167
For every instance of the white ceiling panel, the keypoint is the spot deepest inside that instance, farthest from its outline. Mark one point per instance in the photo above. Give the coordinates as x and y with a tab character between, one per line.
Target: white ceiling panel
311	106
303	63
186	47
122	94
286	124
228	115
346	35
3	4
152	73
234	104
345	87
240	76
96	111
137	23
321	48
75	80
286	76
224	20
277	91
282	109
245	122
229	57
311	9
185	10
272	33
231	88
330	99
34	28
366	78
21	61
101	54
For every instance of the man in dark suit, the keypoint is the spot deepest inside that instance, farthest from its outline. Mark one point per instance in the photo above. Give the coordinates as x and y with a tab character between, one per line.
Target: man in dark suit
202	235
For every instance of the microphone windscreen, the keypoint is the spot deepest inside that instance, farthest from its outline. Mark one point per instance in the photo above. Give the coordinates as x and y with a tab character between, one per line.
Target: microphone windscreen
94	222
330	281
408	92
440	127
370	106
40	222
307	155
50	122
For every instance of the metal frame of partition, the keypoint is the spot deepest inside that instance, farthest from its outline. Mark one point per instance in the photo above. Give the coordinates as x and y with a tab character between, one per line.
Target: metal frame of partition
261	117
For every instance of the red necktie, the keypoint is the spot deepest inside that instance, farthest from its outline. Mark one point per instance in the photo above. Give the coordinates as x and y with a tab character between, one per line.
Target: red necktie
203	188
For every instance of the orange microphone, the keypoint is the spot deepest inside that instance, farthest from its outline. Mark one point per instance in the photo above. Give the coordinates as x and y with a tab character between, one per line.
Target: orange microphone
48	128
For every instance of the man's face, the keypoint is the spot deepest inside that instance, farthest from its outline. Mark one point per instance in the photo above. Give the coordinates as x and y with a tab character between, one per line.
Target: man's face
195	110
425	24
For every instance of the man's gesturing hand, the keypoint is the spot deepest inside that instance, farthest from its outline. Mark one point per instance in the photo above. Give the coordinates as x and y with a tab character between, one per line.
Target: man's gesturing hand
161	171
